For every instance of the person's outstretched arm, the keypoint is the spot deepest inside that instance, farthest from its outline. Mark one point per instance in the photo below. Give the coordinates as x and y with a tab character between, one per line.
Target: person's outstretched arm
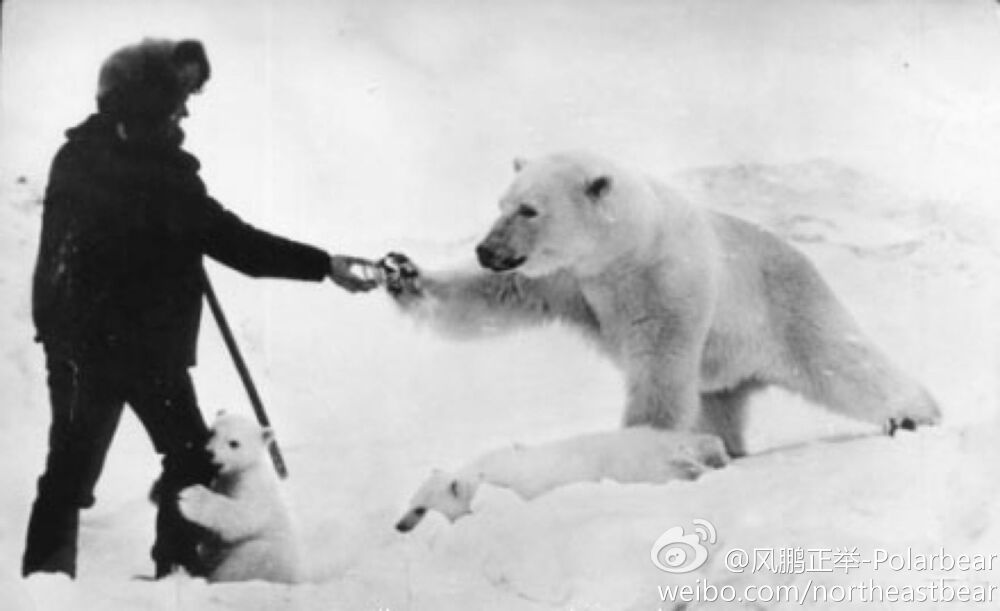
239	245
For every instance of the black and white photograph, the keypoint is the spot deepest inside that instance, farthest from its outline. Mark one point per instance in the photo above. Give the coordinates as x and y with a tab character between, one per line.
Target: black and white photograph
512	305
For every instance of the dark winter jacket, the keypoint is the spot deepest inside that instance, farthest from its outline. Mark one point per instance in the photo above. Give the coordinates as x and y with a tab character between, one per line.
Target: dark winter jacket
119	270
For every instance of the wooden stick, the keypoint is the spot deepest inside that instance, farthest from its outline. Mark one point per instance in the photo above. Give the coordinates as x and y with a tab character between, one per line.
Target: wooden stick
241	367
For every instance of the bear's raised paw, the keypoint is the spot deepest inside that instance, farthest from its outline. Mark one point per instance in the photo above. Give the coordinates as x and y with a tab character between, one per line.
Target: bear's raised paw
400	275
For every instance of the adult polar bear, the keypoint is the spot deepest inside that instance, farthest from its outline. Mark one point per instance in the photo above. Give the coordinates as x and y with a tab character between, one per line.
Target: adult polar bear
699	309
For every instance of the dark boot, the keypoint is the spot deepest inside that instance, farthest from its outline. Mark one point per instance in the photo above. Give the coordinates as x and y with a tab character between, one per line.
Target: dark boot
52	533
177	540
85	411
166	405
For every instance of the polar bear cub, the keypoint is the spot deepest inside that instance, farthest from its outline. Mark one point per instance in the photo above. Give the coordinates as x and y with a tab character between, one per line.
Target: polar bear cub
631	455
251	531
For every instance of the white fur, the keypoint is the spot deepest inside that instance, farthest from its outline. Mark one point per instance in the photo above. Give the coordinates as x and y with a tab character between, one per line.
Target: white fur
638	454
697	308
252	533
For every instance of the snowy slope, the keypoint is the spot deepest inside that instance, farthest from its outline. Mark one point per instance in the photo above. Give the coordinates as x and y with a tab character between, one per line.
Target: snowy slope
390	126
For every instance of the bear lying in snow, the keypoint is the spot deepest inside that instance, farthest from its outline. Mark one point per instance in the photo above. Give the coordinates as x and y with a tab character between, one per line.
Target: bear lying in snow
251	532
638	454
698	309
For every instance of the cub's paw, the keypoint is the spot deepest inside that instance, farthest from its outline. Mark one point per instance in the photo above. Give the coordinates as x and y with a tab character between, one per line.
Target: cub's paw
400	275
194	503
685	468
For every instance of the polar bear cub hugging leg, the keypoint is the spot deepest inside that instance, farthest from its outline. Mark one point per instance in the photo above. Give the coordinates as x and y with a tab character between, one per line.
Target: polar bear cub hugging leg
697	308
251	532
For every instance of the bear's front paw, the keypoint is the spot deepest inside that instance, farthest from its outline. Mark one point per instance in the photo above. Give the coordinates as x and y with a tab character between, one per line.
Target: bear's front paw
194	502
400	274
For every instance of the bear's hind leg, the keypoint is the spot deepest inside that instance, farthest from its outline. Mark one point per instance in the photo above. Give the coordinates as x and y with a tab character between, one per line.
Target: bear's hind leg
723	413
852	378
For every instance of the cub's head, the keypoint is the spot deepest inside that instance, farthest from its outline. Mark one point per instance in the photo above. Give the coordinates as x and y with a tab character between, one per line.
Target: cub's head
237	443
446	493
559	213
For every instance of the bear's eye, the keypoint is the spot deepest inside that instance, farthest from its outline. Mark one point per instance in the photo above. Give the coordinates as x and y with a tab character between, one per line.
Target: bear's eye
527	211
234	444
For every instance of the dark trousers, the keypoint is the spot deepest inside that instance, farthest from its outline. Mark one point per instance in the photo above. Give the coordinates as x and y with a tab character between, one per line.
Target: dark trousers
87	398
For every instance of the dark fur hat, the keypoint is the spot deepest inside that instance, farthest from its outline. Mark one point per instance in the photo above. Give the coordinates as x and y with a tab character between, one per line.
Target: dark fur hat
145	81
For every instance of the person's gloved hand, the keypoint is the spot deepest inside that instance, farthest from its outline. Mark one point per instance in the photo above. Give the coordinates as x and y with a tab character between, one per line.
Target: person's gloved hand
399	274
353	274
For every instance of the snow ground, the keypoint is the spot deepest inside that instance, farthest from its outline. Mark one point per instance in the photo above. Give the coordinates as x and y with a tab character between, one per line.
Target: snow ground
861	132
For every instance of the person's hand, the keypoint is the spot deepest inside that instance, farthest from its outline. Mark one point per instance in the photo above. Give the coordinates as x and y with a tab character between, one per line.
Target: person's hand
353	274
399	274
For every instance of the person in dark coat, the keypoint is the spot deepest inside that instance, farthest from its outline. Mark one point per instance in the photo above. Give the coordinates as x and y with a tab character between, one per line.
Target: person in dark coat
117	295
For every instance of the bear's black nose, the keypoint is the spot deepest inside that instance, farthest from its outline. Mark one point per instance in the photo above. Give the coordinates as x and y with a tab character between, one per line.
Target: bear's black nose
497	259
486	256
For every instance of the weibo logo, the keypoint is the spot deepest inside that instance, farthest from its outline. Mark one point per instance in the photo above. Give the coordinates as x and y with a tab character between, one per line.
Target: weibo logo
677	552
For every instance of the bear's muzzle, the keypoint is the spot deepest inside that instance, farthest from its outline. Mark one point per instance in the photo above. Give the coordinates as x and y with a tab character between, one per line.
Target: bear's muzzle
498	258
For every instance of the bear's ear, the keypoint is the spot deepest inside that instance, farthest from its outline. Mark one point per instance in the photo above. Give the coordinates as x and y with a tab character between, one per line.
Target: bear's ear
598	187
519	163
267	434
